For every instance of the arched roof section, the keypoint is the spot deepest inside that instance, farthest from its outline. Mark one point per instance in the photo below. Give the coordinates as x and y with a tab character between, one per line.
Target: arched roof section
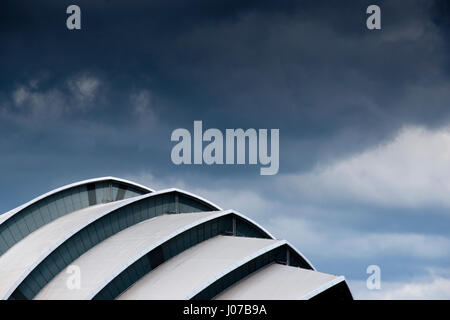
18	223
282	254
54	246
191	271
155	240
291	284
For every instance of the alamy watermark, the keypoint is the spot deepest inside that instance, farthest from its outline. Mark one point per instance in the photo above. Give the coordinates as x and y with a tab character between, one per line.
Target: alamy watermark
73	22
373	282
251	144
373	22
73	281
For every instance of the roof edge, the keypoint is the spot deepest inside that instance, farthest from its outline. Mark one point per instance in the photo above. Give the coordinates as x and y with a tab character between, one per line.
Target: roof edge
5	216
323	288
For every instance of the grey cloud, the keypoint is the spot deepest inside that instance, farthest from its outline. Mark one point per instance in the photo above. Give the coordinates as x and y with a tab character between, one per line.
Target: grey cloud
84	87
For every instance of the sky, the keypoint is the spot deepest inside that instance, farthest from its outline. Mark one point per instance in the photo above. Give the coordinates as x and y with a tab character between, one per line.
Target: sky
364	118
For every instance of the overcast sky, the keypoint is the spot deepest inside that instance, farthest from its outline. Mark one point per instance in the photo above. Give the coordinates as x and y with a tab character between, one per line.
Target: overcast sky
364	118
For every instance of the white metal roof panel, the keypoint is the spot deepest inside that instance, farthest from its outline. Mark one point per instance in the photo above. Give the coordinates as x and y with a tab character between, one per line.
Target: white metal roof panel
20	260
24	256
280	282
106	260
193	270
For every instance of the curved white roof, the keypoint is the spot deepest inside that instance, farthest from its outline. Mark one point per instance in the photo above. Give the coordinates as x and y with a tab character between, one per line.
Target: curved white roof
9	214
121	250
276	282
182	276
105	261
193	270
24	256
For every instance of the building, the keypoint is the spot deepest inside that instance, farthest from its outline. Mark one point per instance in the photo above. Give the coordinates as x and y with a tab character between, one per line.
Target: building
126	241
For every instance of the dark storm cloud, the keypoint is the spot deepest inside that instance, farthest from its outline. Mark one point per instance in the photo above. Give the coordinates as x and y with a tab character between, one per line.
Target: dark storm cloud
310	68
